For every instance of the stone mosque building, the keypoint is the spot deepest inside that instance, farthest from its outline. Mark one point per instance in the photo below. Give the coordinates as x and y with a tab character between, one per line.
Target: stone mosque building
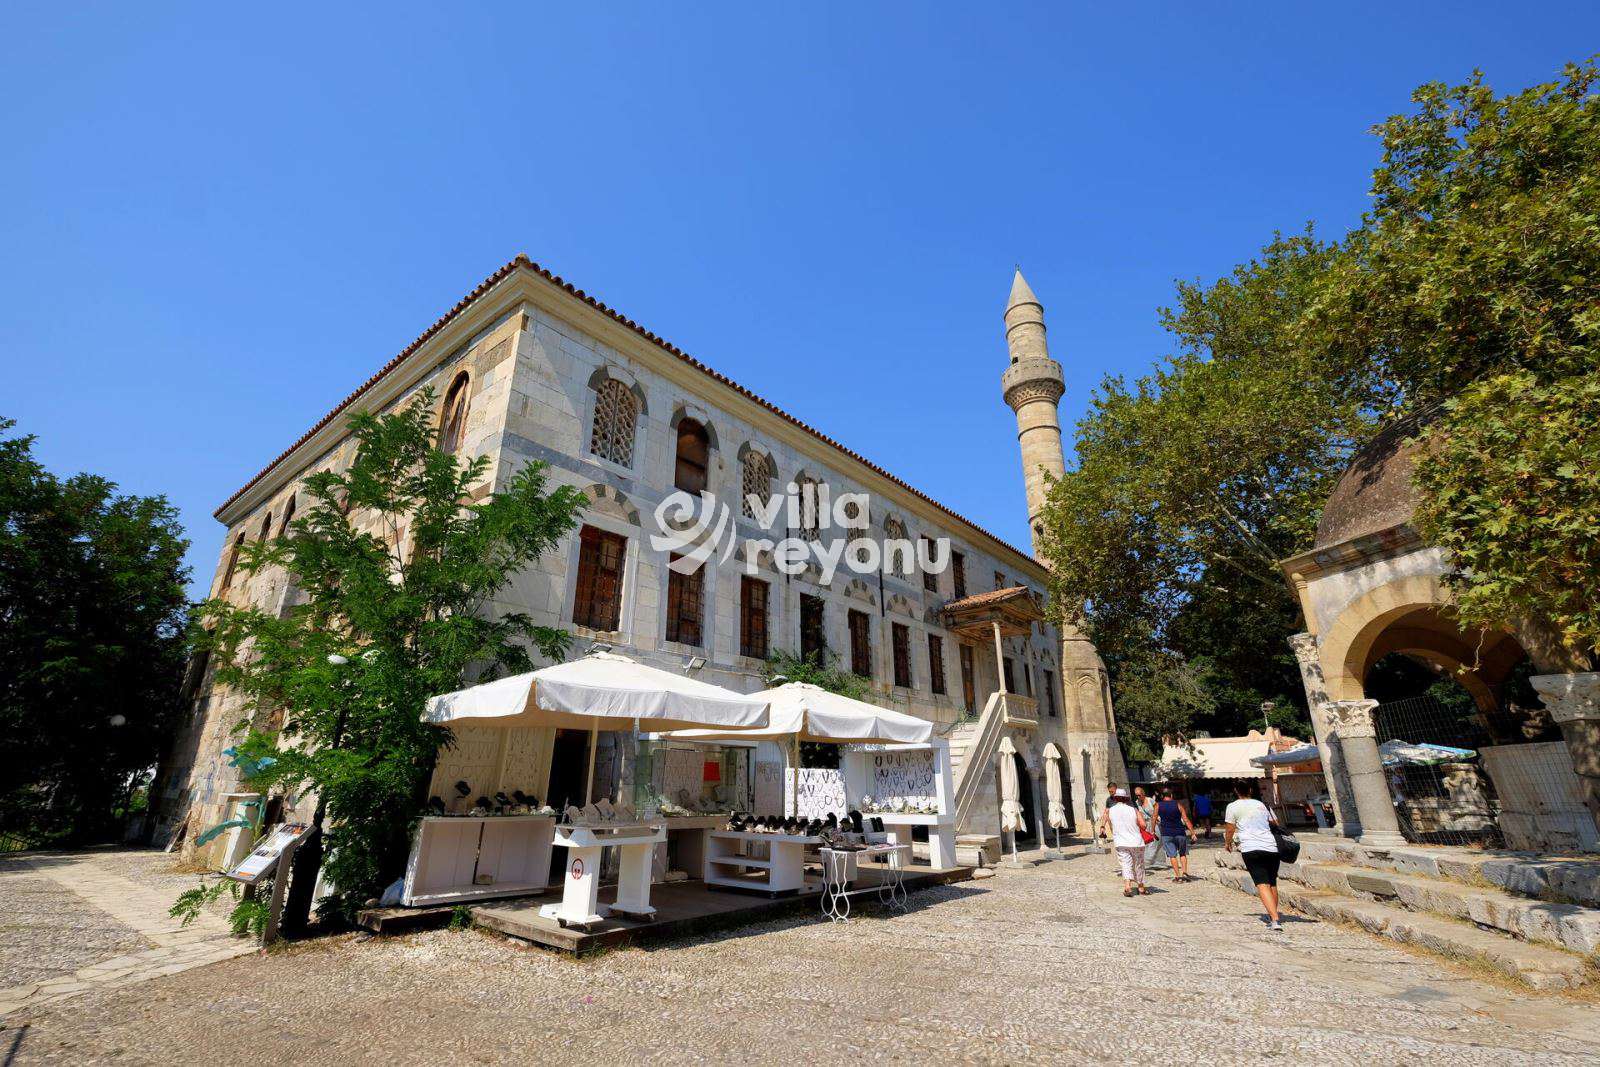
529	368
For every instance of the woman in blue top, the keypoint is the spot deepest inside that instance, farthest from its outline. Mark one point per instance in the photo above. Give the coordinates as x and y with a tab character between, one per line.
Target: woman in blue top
1175	831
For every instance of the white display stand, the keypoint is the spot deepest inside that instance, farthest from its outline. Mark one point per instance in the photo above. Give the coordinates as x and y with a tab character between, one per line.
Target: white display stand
860	780
941	835
841	866
468	857
580	895
732	861
686	835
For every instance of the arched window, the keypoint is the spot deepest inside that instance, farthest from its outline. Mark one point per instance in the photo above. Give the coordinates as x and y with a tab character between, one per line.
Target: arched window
453	417
809	492
756	481
288	517
233	562
266	526
616	413
694	456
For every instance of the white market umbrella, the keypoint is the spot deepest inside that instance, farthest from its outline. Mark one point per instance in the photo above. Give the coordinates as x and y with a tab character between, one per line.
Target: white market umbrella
801	711
1010	806
1052	785
601	691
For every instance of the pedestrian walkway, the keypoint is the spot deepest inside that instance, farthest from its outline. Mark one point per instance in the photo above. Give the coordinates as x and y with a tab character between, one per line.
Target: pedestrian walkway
76	921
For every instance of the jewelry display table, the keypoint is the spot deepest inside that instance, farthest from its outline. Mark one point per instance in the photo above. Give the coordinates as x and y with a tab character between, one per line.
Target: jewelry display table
731	860
941	835
840	868
580	895
473	857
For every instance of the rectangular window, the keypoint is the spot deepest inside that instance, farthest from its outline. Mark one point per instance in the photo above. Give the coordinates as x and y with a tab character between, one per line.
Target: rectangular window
1011	676
958	571
598	603
813	641
1050	694
685	597
936	663
752	617
999	580
902	654
969	685
1027	678
860	643
930	580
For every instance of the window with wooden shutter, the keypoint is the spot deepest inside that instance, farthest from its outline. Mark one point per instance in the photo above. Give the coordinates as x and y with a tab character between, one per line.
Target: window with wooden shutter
1011	676
936	664
861	643
1050	694
958	572
901	640
598	601
813	640
752	617
685	599
930	580
453	415
616	416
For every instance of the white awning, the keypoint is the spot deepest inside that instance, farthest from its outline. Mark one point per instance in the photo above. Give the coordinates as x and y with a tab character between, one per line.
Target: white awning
811	713
601	691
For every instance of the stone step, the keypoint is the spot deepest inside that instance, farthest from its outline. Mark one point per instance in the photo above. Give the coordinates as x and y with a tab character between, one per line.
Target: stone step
1566	879
977	850
1535	965
1567	926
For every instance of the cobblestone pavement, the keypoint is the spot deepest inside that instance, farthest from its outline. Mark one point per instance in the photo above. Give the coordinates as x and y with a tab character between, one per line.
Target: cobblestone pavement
71	922
1048	964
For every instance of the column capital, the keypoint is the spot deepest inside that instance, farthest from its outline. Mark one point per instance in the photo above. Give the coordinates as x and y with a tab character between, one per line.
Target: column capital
1352	718
1569	697
1305	648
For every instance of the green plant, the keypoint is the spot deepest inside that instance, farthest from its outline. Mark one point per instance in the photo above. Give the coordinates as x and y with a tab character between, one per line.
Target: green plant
397	560
460	917
249	915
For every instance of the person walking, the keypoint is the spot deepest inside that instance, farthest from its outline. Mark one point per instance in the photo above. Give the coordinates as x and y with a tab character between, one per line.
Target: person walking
1111	792
1176	831
1248	824
1127	829
1147	808
1202	811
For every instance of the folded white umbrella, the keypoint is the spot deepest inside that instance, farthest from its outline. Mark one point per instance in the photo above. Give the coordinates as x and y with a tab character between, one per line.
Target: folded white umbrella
1010	805
601	691
1052	783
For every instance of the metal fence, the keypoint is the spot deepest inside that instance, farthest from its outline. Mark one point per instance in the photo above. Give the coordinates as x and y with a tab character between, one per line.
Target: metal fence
1439	800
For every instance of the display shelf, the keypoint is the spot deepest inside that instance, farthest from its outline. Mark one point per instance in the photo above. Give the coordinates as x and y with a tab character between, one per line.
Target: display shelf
906	818
478	857
782	870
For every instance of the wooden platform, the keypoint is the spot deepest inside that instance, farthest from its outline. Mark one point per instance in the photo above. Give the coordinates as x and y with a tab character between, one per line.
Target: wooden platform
681	908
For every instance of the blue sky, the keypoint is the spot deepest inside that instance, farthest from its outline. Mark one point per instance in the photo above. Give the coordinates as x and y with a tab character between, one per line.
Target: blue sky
218	221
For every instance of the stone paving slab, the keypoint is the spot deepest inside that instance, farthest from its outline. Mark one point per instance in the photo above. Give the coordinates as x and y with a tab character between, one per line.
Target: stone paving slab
74	922
1043	965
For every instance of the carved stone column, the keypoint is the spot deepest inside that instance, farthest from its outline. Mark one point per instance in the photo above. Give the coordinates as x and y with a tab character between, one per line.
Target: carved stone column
1573	701
1358	739
1334	771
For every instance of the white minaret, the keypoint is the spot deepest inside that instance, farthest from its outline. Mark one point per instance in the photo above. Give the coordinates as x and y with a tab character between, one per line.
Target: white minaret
1033	386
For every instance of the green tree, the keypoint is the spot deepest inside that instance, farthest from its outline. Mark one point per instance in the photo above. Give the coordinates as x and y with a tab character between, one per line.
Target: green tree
397	567
1193	482
92	614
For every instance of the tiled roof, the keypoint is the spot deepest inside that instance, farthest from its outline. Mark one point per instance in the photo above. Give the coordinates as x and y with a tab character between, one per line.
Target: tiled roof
522	262
993	596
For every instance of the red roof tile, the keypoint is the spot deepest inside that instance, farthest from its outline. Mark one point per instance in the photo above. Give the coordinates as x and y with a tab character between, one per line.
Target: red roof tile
524	263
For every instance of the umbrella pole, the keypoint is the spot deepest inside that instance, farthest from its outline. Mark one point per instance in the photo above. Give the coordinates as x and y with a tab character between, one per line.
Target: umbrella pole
794	776
588	779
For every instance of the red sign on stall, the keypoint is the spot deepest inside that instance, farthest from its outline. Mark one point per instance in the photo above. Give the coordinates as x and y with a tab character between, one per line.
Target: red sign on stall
577	867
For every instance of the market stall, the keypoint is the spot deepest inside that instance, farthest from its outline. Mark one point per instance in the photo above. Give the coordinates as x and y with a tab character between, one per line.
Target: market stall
601	691
876	738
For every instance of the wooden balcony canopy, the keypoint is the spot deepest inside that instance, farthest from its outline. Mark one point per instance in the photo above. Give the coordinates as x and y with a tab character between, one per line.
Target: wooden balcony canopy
1014	610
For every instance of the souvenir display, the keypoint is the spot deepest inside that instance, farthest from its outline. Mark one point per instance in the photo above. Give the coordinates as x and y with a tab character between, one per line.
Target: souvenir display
436	806
463	790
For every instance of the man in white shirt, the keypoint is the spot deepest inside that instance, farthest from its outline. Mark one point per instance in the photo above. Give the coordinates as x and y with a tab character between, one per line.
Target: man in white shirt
1248	824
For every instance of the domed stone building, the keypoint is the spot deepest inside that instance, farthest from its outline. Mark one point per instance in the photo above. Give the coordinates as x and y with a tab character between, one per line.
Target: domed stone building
1370	588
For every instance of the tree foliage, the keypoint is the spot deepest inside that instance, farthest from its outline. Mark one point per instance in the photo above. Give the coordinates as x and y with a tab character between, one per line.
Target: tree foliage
397	567
1471	279
92	613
